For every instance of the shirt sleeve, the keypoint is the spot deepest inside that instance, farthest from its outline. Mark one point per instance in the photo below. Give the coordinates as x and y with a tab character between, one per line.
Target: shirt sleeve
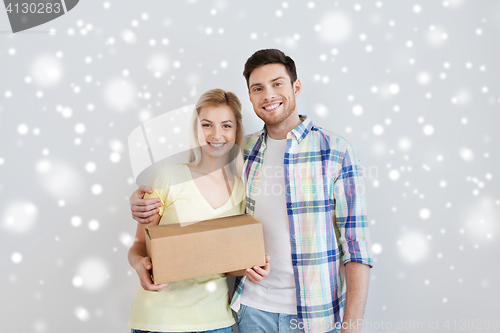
160	184
350	210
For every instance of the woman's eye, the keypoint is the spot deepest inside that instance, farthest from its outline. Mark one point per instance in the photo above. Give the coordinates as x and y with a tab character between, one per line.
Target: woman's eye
205	125
227	126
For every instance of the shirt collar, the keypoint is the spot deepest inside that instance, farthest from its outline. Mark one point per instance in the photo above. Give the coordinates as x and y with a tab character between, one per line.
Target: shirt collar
298	133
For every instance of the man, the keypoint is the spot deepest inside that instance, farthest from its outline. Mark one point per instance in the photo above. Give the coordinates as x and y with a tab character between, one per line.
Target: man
304	185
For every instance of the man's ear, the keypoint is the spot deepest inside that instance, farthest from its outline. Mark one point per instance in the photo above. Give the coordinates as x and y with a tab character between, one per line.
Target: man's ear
297	87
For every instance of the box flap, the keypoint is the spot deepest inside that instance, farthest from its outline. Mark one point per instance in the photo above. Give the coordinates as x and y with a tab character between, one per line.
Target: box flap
159	231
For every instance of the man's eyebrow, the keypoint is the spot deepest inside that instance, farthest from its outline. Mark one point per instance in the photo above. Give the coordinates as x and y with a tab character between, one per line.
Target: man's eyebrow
278	78
255	84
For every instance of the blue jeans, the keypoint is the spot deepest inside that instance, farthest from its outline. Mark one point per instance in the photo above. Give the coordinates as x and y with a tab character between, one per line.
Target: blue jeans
220	330
251	320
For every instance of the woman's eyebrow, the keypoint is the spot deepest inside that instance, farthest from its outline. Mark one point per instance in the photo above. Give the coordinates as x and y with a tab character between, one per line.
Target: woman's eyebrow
225	121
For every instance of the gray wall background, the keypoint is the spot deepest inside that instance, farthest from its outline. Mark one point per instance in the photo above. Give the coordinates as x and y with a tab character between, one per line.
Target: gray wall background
414	85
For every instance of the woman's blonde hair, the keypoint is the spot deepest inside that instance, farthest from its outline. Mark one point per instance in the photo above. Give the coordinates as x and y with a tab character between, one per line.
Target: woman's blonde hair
216	98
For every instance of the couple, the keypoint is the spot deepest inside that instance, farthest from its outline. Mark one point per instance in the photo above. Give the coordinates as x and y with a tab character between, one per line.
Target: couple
315	226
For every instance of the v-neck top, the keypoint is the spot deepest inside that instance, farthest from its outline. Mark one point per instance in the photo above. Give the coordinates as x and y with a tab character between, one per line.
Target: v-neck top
183	201
198	304
230	201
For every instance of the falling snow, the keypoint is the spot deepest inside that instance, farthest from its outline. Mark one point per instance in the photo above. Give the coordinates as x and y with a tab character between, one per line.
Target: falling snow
412	85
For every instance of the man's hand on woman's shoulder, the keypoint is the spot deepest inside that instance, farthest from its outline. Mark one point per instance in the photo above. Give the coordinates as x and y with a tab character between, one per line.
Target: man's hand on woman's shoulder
142	209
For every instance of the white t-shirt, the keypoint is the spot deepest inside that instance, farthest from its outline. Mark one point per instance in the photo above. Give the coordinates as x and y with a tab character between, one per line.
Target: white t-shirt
276	293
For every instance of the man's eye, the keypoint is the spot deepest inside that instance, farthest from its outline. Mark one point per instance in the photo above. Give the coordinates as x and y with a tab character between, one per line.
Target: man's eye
257	89
278	84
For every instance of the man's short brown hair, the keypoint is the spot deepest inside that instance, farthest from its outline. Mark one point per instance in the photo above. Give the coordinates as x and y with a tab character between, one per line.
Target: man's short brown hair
270	56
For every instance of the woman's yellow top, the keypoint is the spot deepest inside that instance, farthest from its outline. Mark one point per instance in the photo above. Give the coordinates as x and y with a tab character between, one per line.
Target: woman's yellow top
199	304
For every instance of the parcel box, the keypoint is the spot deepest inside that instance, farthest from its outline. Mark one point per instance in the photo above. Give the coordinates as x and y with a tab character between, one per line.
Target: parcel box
226	244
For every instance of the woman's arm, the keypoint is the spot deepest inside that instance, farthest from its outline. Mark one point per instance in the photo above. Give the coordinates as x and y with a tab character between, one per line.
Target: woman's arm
138	259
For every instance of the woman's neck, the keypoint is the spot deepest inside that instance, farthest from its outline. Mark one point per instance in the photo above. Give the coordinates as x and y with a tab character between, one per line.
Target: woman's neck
209	164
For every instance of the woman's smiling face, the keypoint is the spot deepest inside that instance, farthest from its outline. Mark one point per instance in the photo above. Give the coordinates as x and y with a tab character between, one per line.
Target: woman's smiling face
217	130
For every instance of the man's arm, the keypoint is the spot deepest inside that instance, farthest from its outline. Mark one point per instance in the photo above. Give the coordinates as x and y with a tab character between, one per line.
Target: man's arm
352	222
357	280
143	210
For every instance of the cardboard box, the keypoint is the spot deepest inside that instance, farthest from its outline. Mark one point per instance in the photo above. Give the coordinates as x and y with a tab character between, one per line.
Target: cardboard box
204	248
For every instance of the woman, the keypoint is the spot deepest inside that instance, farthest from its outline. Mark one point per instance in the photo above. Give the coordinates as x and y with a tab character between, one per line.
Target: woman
205	188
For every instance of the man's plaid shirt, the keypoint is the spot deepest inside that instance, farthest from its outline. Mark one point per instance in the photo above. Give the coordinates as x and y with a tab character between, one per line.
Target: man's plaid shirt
326	207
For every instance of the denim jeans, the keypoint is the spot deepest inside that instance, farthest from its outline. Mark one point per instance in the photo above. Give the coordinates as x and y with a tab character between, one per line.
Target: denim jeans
251	320
220	330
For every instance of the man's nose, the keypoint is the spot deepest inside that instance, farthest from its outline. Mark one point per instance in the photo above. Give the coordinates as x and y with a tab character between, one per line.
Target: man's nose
270	94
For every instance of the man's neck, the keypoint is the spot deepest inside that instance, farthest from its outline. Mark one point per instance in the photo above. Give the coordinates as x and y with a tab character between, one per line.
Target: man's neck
279	131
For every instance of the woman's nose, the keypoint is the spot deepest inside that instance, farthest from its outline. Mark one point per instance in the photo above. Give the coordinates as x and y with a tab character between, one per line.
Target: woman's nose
216	134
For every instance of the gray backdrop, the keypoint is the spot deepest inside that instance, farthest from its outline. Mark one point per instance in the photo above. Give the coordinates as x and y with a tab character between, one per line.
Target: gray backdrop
414	85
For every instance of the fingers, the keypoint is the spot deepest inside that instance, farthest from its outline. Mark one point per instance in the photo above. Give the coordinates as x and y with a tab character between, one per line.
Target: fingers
142	205
253	276
136	197
144	189
146	281
256	273
145	277
144	215
146	263
262	271
267	267
156	287
142	209
161	286
139	193
141	220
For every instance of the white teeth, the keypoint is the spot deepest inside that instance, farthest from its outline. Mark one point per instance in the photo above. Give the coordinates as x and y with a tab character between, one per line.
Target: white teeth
216	145
272	106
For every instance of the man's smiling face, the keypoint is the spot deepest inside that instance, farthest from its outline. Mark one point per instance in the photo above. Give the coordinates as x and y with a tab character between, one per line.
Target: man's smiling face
272	94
